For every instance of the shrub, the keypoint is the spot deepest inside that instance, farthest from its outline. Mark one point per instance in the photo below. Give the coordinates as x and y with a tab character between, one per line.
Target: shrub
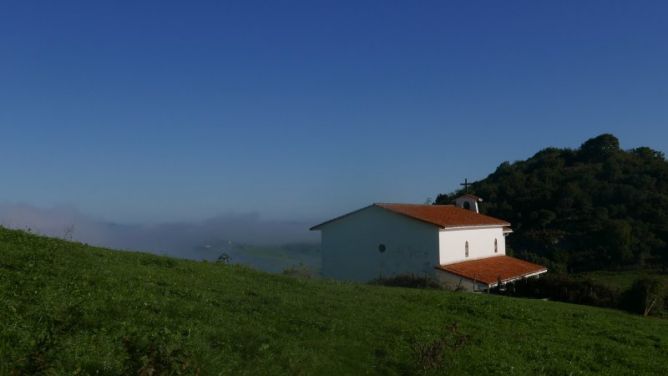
563	288
224	258
408	280
646	296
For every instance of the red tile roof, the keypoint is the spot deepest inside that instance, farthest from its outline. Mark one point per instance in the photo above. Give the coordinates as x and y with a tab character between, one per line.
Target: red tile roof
439	215
444	215
492	269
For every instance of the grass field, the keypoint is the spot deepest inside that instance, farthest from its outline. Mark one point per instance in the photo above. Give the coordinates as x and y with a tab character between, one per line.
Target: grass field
67	308
624	279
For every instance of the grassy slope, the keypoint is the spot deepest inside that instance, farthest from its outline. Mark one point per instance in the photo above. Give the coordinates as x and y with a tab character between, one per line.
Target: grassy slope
68	308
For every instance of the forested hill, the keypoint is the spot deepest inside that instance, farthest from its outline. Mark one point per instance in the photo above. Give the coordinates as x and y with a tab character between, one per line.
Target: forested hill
596	207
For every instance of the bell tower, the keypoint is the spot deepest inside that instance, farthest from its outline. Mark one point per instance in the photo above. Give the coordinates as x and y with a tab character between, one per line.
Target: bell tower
469	202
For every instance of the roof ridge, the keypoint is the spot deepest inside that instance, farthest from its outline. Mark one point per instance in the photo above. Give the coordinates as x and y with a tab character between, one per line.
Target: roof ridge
443	216
464	217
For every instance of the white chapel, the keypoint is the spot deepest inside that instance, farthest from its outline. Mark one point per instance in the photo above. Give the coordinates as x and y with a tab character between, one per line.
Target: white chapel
453	244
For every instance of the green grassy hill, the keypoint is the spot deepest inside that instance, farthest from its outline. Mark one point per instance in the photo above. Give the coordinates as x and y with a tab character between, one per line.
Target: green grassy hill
67	308
622	280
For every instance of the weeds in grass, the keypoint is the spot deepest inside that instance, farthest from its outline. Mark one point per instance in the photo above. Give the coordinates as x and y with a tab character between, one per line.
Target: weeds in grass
153	356
432	354
300	271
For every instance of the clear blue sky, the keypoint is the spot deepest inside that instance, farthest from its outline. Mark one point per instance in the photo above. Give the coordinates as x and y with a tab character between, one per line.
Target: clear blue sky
155	111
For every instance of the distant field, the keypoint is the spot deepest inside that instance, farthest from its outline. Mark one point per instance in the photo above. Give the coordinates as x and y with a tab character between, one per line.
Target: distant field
67	308
276	259
268	258
622	280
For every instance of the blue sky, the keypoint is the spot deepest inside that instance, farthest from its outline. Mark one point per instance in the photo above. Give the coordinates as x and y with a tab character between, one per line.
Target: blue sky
160	111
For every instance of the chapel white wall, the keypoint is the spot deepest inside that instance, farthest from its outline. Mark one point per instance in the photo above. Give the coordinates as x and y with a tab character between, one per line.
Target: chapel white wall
481	244
350	246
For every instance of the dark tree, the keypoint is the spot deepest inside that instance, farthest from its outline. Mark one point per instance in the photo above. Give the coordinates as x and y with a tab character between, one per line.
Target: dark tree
596	207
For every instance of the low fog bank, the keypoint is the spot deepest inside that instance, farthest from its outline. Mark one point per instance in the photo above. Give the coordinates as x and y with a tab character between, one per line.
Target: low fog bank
205	239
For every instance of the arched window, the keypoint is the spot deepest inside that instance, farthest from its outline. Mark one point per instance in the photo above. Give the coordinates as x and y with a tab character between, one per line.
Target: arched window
467	205
466	249
496	245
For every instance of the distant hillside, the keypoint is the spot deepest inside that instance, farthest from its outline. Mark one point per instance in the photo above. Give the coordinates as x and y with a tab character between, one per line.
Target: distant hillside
67	308
268	258
596	207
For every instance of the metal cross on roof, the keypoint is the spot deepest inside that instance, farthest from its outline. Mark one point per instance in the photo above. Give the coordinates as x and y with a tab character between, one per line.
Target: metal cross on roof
466	185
